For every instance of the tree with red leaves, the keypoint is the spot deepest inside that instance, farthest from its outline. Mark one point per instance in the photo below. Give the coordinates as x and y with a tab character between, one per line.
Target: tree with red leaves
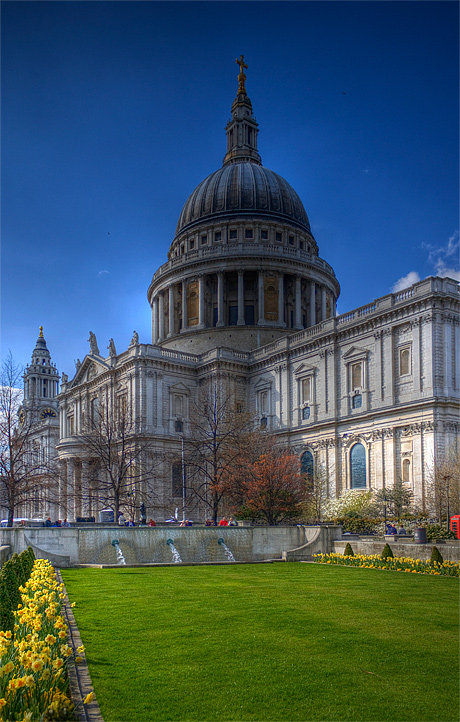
271	487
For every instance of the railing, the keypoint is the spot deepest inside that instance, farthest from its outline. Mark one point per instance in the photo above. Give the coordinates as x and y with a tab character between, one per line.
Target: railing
231	250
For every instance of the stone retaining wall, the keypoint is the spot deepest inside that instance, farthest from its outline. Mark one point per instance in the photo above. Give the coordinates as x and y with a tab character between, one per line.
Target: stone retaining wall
450	550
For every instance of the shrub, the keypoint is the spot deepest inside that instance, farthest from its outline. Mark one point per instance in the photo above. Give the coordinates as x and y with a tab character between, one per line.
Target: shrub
387	552
437	531
436	556
348	551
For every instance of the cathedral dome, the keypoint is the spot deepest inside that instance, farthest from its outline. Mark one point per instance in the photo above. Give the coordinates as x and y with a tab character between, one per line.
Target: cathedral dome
244	187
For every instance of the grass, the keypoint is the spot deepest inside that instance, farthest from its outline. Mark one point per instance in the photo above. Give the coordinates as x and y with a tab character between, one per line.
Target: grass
284	642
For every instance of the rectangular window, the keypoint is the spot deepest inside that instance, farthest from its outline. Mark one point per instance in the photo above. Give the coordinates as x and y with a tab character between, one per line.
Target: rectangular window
264	235
232	315
278	237
249	315
356	376
306	390
192	244
404	361
217	236
301	245
204	240
233	235
291	240
248	233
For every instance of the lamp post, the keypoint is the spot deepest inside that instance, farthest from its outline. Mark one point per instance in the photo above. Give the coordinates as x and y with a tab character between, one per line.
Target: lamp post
183	481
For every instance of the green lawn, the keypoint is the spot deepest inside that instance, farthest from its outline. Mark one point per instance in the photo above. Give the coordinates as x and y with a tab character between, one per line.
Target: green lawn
283	642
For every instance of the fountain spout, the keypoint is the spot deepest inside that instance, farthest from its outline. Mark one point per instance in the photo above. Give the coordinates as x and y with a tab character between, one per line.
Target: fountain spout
227	551
120	557
175	554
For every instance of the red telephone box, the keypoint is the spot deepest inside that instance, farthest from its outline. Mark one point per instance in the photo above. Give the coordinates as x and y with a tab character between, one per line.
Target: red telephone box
455	525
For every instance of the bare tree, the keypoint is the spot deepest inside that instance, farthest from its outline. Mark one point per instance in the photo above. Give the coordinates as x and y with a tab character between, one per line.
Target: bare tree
123	463
394	500
314	494
24	474
218	431
443	492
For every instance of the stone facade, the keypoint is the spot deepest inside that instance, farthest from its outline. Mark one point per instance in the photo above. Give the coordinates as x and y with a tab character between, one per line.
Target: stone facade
371	396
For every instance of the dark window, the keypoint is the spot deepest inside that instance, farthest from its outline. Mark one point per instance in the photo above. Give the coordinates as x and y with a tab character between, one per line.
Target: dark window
233	234
249	315
214	316
217	236
307	466
178	426
248	233
232	315
204	240
263	422
358	467
306	412
192	244
357	401
291	240
301	245
279	237
264	235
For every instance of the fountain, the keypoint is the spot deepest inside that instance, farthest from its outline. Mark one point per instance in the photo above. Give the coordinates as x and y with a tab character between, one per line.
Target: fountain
175	553
120	557
227	551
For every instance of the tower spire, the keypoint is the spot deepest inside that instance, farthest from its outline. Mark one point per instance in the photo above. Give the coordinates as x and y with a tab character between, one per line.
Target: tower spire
242	127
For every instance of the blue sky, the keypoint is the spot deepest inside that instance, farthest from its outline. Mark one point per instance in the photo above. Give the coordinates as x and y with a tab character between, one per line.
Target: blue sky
113	112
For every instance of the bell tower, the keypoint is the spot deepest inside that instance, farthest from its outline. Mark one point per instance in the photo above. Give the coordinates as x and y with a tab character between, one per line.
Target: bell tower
41	385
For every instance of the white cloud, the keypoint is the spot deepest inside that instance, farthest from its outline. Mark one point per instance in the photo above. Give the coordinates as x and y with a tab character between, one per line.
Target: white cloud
103	273
446	259
405	282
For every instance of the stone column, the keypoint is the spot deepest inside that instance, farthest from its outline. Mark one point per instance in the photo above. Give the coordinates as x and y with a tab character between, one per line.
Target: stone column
416	353
62	500
201	307
240	321
70	496
220	299
378	378
261	298
388	365
298	302
161	317
155	320
184	305
86	482
312	303
281	320
323	303
171	310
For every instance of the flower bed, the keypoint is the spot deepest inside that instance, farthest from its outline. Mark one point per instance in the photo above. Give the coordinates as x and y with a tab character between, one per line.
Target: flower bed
397	564
33	659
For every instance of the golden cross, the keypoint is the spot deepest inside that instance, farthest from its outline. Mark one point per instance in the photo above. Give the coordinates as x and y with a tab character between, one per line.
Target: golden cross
241	63
41	332
241	75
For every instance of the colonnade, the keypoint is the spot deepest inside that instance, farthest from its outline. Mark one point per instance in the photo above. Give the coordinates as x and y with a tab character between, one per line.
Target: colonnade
182	305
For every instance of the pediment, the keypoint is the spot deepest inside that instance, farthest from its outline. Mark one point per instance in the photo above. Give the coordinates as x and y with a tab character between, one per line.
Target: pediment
179	388
355	353
305	370
263	382
89	369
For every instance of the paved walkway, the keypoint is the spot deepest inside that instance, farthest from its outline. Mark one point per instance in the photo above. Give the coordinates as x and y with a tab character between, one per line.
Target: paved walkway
79	679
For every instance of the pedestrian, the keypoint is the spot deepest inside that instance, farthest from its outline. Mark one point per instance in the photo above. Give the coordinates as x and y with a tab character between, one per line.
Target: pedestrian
66	523
121	519
152	522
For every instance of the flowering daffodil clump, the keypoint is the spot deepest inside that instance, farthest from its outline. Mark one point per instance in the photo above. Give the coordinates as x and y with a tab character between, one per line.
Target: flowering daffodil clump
33	659
398	564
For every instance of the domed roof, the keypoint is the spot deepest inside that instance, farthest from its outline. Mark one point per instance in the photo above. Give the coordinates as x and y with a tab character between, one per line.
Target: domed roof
243	188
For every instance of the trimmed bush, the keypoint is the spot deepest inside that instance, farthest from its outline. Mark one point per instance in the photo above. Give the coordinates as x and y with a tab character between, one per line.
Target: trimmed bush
387	552
436	556
348	551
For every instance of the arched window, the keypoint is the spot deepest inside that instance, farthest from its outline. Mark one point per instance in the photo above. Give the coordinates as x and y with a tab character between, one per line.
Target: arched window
358	467
307	466
406	470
